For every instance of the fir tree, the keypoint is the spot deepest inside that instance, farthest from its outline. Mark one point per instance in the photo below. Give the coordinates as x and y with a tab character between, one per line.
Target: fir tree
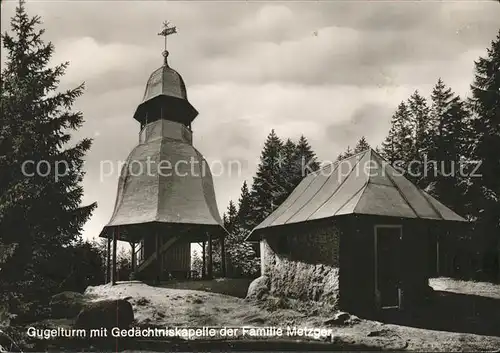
300	160
241	259
398	145
282	167
306	158
439	118
289	149
84	265
124	264
230	217
419	112
457	130
390	143
420	122
361	146
197	263
40	212
290	169
244	208
451	143
268	186
485	190
441	98
486	106
348	153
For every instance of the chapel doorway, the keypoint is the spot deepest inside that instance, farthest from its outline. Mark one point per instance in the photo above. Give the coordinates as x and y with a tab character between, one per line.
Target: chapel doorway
388	276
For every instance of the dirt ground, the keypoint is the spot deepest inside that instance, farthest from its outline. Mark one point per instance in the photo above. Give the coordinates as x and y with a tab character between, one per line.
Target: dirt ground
465	316
235	287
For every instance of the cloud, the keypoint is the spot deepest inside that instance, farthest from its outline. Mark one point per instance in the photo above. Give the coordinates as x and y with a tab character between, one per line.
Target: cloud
275	19
369	120
91	59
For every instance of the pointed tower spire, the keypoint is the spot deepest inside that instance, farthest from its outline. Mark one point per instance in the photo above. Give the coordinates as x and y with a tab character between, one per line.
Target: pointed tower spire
165	32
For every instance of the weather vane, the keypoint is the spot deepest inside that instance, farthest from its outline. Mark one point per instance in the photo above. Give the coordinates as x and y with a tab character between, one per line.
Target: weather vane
165	32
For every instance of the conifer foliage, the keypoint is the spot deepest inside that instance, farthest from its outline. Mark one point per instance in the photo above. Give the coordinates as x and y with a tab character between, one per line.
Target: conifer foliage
241	259
40	176
450	137
348	152
449	140
244	208
282	167
399	142
362	145
197	263
269	182
306	157
420	123
485	189
485	103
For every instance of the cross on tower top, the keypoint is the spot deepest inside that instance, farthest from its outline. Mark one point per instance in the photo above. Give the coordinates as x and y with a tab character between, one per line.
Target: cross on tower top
165	32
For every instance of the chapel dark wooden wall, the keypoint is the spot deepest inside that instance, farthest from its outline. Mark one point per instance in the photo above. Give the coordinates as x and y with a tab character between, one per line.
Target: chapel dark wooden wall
357	259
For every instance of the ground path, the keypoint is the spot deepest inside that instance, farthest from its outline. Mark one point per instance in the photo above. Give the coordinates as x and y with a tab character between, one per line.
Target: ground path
158	306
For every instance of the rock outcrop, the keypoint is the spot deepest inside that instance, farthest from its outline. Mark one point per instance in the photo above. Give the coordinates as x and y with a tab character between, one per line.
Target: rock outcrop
106	314
296	275
258	289
66	305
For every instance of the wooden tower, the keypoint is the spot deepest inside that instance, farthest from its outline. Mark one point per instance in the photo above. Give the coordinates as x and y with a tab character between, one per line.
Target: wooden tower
165	199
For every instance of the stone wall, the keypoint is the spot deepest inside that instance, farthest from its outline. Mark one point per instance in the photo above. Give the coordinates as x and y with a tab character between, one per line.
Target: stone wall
301	262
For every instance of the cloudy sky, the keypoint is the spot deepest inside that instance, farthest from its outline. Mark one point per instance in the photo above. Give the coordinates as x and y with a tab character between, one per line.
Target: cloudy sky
333	71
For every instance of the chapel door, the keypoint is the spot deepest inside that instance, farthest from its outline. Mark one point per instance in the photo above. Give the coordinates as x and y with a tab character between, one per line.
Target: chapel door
388	254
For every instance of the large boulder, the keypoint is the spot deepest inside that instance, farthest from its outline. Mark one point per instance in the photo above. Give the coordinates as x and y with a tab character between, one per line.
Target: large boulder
5	316
258	289
106	314
66	305
7	343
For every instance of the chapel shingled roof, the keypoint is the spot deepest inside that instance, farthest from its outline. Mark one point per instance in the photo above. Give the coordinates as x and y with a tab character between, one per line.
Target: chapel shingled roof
362	184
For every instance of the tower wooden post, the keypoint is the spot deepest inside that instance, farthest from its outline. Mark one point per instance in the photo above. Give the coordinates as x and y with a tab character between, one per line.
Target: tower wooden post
134	260
210	258
158	260
108	260
223	255
203	258
113	270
